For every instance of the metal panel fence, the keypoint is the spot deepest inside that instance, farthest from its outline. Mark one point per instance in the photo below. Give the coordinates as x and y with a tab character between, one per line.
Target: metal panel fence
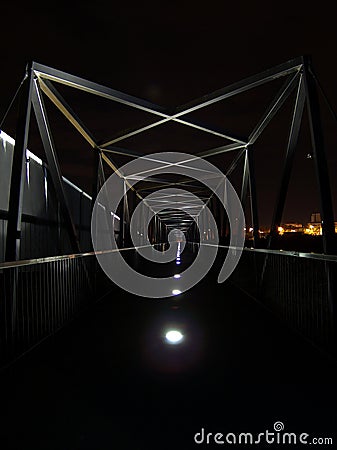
298	287
43	230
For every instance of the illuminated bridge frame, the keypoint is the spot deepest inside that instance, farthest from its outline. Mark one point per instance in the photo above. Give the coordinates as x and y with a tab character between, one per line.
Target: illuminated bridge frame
40	80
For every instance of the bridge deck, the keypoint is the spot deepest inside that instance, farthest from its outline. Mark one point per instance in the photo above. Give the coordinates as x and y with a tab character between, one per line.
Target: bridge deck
109	381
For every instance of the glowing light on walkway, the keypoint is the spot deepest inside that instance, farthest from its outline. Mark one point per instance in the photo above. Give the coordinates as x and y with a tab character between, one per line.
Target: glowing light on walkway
174	337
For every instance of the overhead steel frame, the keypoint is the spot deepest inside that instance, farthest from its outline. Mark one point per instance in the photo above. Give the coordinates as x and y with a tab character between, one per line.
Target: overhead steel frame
298	73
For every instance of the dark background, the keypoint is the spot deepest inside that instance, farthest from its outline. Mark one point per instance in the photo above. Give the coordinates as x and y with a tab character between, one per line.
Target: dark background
169	54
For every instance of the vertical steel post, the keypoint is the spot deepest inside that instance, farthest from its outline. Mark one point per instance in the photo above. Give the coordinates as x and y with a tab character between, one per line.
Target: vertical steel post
155	229
123	215
96	181
245	180
322	174
13	238
288	164
96	176
253	196
321	166
54	168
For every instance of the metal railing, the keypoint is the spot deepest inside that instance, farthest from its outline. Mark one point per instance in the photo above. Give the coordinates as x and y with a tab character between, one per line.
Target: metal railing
38	297
298	287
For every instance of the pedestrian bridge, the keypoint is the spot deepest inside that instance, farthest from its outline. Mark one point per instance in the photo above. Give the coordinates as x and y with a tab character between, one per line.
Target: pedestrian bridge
91	362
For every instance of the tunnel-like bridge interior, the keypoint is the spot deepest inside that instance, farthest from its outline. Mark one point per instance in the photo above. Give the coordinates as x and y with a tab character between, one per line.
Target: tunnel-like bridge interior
155	307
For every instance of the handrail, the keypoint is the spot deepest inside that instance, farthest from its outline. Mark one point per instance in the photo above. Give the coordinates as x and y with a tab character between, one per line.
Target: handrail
317	256
31	262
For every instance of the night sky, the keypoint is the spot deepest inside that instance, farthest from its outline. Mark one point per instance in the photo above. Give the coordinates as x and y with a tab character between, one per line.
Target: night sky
169	54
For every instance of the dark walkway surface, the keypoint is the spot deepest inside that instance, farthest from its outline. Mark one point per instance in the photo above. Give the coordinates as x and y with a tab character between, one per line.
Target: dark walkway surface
109	380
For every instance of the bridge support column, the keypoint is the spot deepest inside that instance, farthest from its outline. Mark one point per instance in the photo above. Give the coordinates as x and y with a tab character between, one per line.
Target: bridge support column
291	146
53	164
321	166
322	174
13	238
249	181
